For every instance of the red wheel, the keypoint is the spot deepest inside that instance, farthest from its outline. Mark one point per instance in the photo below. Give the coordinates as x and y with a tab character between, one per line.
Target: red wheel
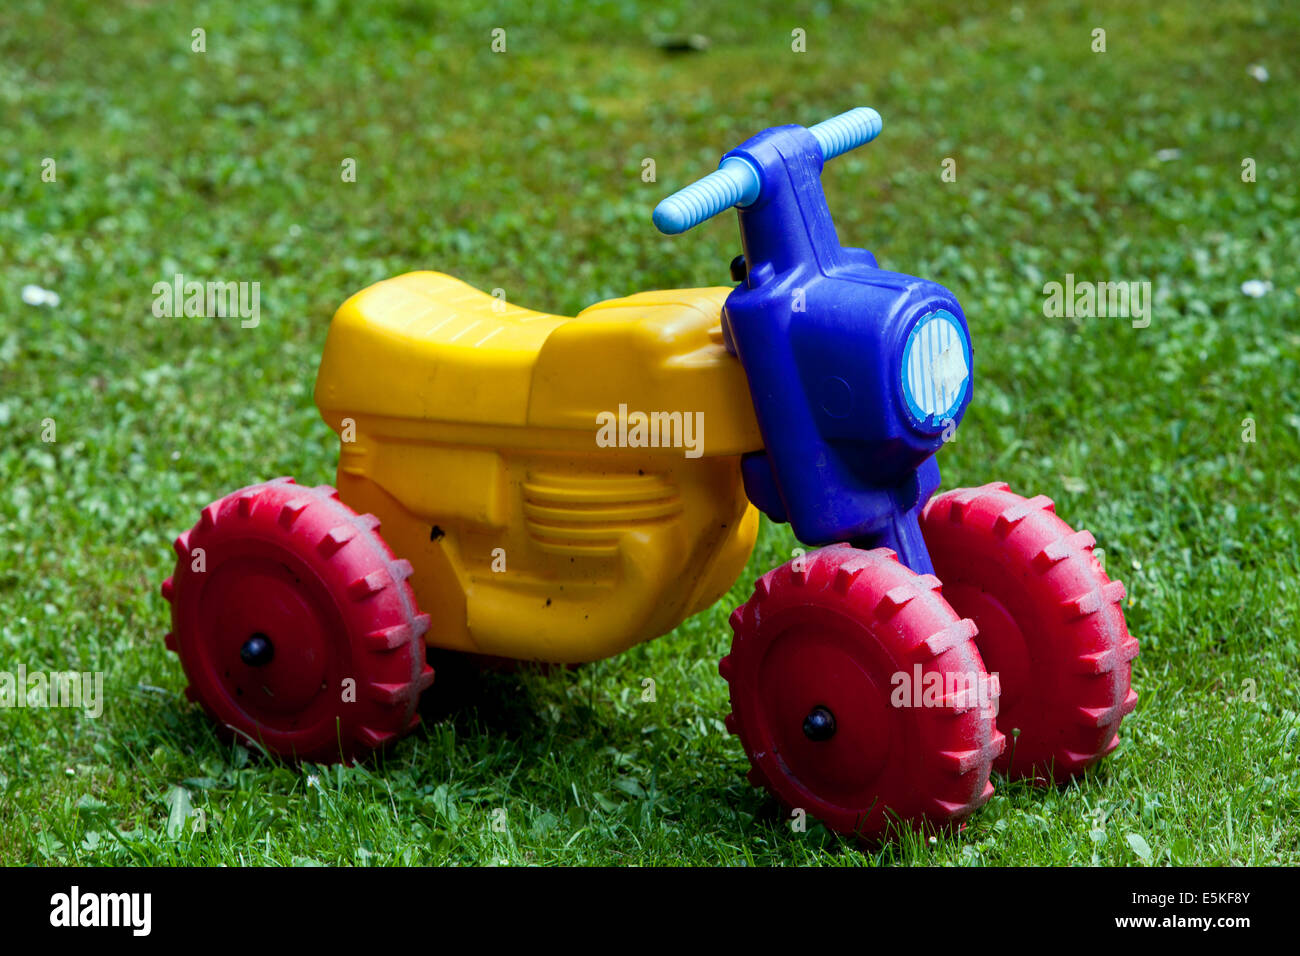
814	674
1050	625
295	624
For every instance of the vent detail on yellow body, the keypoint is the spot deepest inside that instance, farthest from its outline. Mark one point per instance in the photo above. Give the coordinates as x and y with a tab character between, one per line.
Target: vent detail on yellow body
584	515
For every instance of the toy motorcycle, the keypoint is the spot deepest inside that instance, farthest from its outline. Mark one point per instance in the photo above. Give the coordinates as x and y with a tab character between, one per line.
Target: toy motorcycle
560	489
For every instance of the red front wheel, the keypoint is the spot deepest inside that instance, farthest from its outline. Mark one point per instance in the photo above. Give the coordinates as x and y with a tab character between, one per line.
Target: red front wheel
859	695
1050	624
295	624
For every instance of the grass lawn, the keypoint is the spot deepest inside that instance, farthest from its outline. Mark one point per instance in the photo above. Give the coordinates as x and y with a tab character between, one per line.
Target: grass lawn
523	171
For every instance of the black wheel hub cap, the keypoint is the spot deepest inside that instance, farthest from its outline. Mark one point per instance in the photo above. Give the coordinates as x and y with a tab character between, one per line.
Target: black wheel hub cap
819	724
257	651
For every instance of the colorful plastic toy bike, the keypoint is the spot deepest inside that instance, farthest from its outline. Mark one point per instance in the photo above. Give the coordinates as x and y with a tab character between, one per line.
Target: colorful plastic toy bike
559	489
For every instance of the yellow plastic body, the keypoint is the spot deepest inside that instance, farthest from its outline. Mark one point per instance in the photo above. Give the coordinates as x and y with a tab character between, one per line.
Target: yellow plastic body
470	428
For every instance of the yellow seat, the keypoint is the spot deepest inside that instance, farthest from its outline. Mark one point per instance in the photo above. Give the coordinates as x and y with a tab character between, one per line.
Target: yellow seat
429	347
444	349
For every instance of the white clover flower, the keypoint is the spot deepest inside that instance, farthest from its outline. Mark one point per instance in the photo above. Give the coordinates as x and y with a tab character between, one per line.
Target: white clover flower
35	295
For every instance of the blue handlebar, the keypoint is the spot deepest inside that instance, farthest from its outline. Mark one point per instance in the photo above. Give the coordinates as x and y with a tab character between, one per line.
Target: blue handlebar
736	182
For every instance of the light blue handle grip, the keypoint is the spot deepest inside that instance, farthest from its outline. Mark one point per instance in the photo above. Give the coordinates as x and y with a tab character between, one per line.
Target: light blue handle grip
736	181
839	134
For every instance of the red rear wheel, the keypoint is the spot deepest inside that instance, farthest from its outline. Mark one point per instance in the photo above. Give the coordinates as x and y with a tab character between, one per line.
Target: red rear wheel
817	699
1050	625
295	625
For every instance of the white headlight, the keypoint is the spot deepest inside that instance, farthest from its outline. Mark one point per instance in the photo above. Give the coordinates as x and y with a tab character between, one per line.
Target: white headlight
936	368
